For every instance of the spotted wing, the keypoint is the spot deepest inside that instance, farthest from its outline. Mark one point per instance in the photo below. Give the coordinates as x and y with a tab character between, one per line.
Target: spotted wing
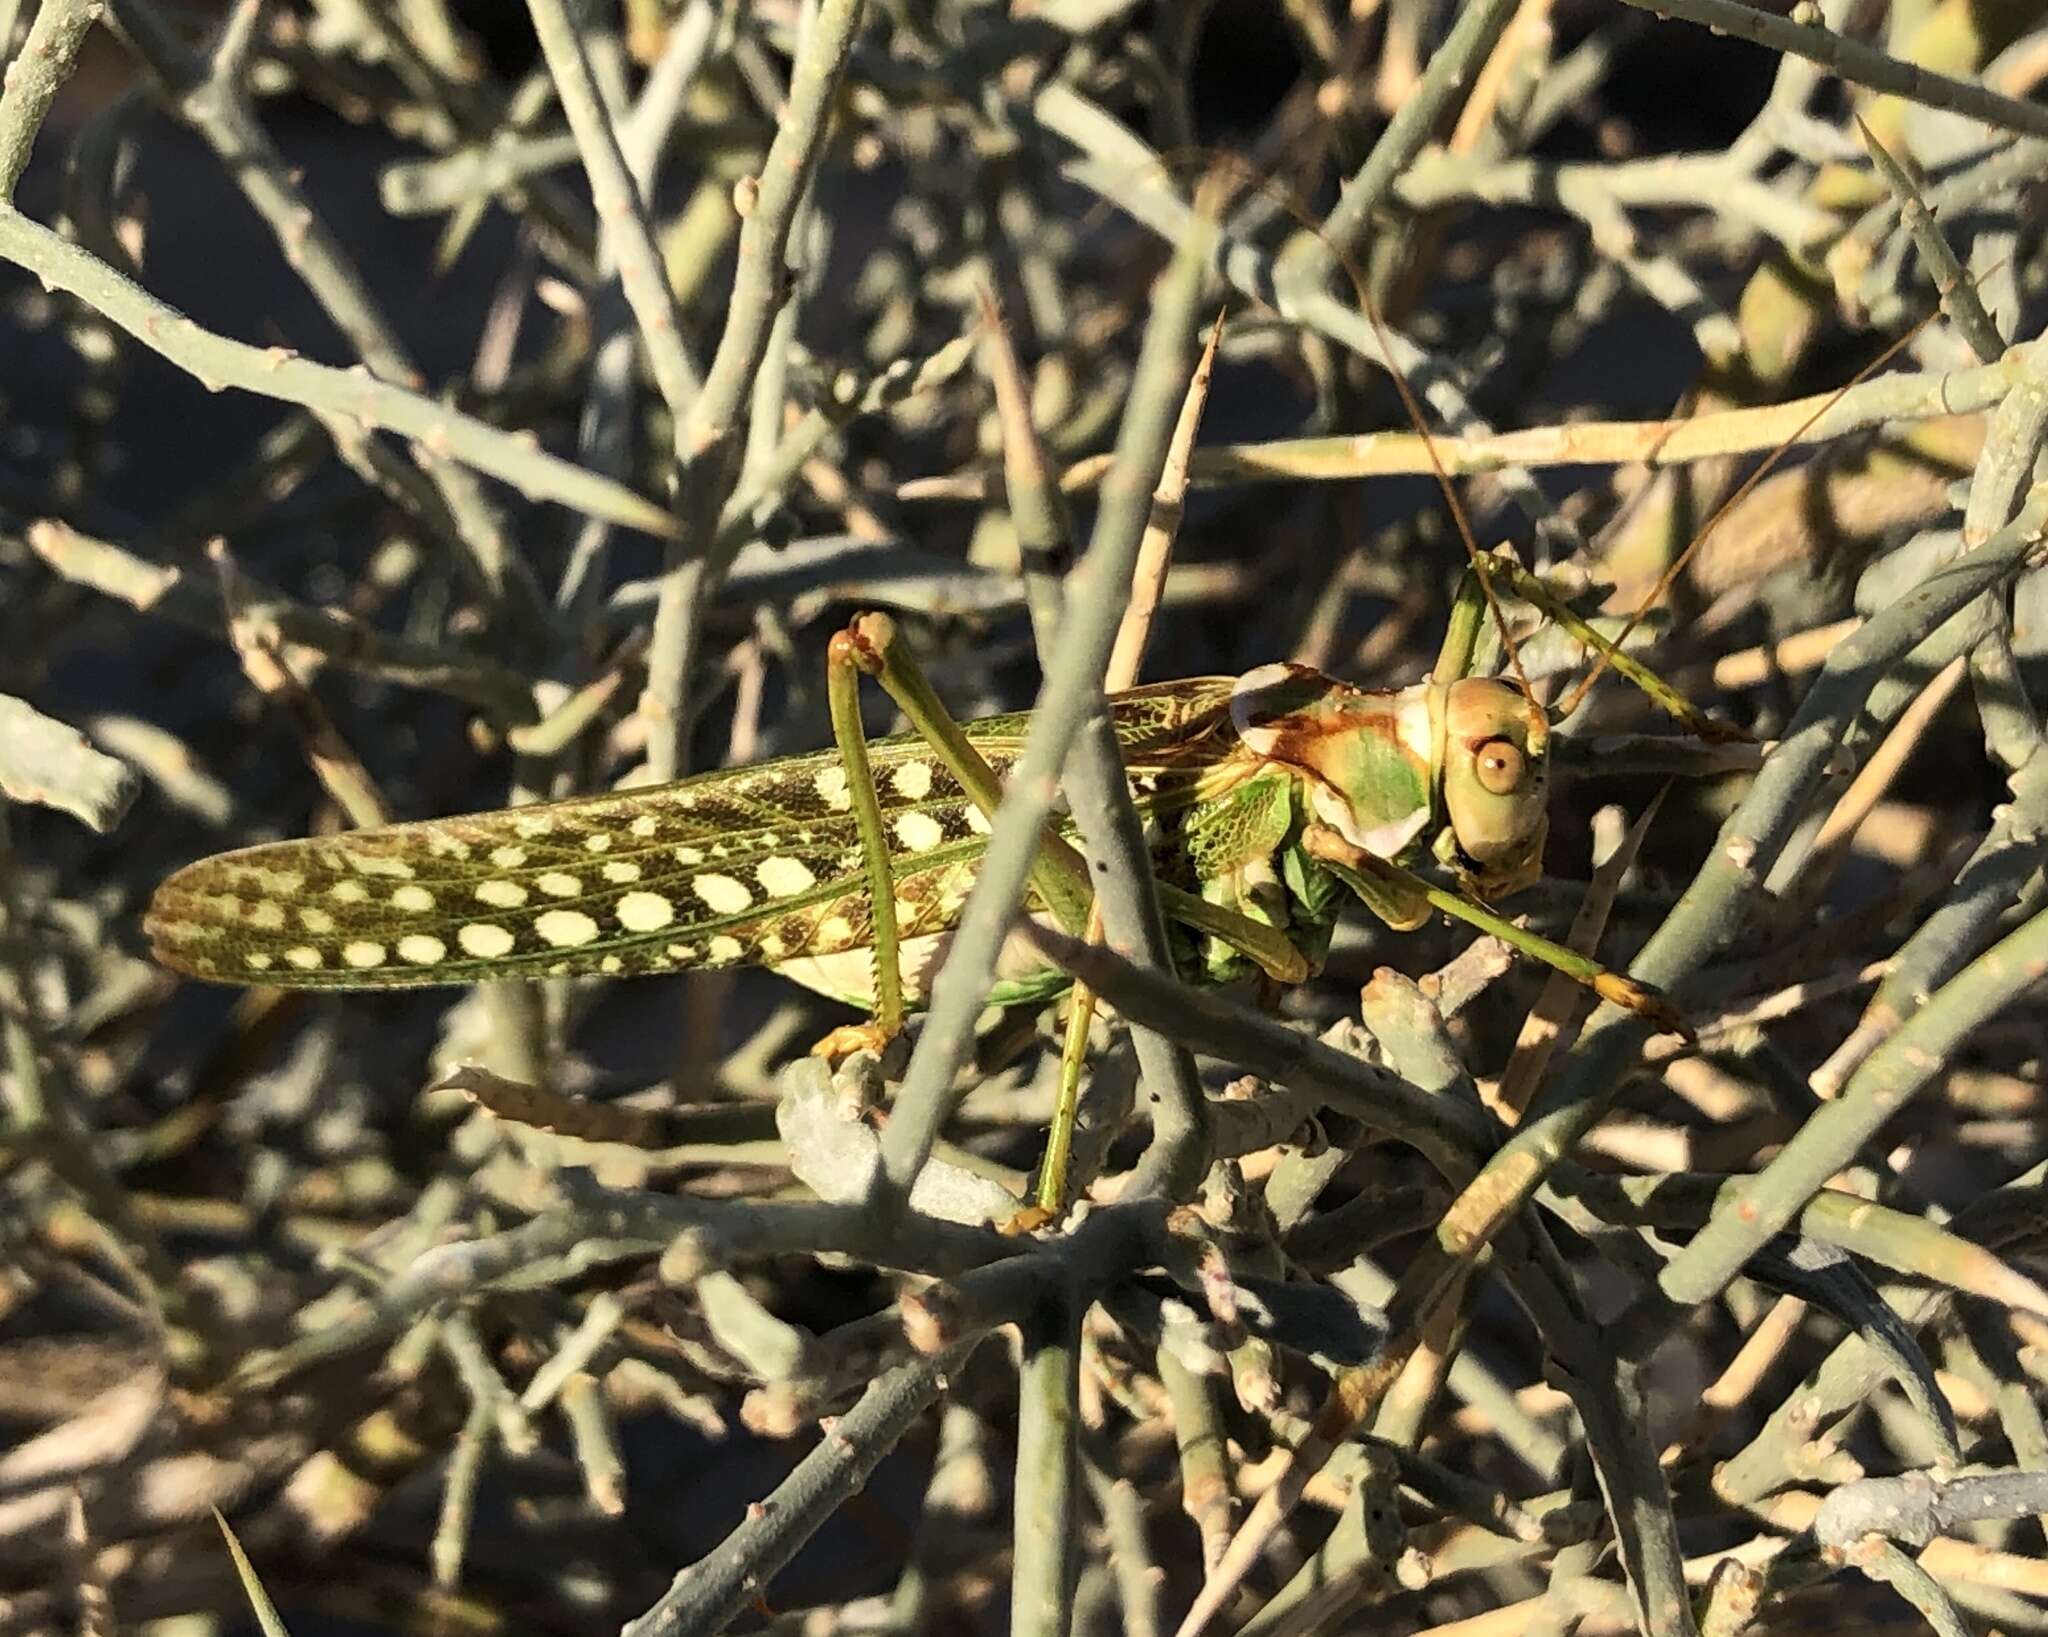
748	865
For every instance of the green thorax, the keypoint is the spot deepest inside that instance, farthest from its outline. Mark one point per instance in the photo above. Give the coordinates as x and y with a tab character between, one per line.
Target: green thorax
1457	771
1363	760
1297	749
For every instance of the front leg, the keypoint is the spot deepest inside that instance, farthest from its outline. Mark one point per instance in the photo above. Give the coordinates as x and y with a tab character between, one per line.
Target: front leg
1378	882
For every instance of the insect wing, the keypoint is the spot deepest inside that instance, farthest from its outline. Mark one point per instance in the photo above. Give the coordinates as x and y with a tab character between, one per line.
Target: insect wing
759	864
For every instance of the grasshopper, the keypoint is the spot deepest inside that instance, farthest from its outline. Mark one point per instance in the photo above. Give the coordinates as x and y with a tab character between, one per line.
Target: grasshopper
1268	796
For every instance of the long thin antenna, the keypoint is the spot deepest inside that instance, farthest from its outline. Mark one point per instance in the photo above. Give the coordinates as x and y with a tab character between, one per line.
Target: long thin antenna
1473	554
1669	577
1410	403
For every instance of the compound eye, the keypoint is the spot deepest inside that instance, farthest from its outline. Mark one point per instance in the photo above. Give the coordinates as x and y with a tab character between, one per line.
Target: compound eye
1500	766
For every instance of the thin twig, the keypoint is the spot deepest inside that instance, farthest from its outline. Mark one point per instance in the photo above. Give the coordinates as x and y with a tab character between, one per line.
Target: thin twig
351	394
1155	554
1096	594
1047	1520
628	241
708	437
209	96
1822	418
1952	282
34	77
1452	67
1858	63
710	1592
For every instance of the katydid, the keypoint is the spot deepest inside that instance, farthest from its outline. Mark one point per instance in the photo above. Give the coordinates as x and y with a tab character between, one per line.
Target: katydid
1267	794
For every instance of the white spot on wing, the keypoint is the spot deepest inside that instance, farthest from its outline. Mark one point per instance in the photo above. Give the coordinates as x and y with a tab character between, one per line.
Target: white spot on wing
565	928
919	832
486	940
377	864
421	948
416	899
834	932
284	883
645	912
1391	840
722	894
831	787
500	894
363	953
557	885
912	781
781	877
